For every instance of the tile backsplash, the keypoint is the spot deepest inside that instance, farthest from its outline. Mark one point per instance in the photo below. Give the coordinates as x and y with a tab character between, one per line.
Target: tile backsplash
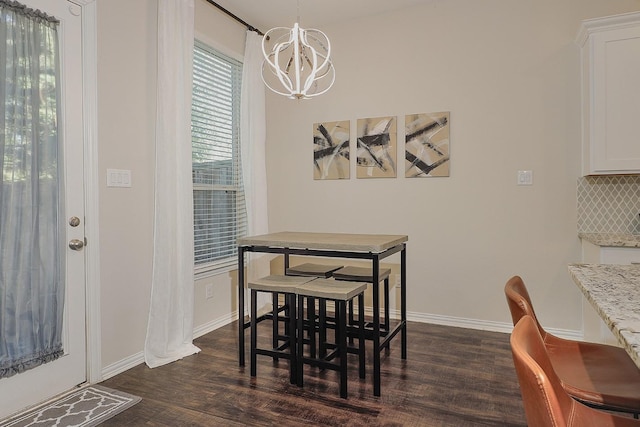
609	204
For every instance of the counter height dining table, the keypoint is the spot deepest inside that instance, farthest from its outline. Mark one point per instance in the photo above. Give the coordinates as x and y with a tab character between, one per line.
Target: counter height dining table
374	247
614	291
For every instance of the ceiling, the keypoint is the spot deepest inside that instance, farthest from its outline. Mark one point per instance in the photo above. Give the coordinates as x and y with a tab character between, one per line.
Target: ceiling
266	14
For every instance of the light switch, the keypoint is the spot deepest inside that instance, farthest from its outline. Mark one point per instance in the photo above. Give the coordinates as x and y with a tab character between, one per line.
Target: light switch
118	178
525	177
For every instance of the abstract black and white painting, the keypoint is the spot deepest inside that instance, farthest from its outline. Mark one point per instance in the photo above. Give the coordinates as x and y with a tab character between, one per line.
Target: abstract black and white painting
331	150
376	148
427	145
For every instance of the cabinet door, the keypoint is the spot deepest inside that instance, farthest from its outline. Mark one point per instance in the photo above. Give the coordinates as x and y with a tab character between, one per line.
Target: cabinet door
615	133
616	255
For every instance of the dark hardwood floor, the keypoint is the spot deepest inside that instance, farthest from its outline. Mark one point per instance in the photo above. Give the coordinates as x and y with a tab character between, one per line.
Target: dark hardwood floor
452	377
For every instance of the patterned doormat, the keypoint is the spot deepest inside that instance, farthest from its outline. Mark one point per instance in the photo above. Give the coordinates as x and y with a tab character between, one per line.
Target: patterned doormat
86	407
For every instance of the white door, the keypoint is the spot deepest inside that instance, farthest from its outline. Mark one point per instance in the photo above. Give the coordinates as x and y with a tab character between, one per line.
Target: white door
41	383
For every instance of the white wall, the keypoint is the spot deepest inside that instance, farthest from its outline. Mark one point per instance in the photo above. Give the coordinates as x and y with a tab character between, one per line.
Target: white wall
509	74
126	128
126	120
507	71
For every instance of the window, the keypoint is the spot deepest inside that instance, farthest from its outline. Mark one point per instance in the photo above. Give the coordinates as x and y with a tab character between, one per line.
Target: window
219	212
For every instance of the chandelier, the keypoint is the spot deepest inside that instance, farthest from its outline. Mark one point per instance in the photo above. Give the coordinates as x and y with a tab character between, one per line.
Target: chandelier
297	62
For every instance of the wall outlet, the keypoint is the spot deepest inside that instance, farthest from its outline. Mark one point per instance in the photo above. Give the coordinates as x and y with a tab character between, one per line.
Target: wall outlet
209	291
118	178
525	177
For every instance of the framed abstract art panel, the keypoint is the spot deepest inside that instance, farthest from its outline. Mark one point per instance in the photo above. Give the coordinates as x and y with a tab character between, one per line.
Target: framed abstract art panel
331	150
376	148
427	145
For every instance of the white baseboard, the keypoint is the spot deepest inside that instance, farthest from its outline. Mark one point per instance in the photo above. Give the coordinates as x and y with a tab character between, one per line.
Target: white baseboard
138	358
214	324
483	325
436	319
122	365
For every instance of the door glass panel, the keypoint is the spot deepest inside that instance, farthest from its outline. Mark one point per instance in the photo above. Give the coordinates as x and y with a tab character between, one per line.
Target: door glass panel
32	257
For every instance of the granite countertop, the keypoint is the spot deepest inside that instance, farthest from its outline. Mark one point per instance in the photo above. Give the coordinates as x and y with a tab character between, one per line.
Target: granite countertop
614	291
612	239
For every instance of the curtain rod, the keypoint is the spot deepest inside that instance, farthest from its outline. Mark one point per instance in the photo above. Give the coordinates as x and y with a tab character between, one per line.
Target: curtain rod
249	27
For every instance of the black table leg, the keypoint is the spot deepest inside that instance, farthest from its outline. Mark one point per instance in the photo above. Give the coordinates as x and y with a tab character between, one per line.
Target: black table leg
376	326
241	251
403	300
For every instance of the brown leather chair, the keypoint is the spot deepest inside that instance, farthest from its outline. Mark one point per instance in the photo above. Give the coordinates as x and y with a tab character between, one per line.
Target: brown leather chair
601	376
546	403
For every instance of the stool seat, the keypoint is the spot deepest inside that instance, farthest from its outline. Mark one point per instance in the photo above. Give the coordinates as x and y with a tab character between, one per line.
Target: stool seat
331	289
278	283
360	274
311	269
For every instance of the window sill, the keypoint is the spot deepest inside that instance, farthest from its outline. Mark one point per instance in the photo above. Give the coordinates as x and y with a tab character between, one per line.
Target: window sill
209	270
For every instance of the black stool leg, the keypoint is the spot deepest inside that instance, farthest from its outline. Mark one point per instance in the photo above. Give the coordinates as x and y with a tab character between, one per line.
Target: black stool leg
275	325
342	346
322	328
351	320
361	352
311	314
300	343
293	354
287	315
254	332
386	304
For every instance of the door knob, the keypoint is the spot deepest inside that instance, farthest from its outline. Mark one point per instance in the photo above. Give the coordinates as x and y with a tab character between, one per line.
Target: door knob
74	221
76	244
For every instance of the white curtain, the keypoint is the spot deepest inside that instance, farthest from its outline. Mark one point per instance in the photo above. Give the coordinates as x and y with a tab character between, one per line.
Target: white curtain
170	326
32	247
253	136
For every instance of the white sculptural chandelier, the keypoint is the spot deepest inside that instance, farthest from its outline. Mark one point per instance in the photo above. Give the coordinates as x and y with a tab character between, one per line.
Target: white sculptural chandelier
297	62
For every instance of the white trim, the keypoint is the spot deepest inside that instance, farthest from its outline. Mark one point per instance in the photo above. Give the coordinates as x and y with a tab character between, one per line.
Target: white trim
202	271
203	38
568	334
214	324
606	23
436	319
122	365
91	189
138	358
483	325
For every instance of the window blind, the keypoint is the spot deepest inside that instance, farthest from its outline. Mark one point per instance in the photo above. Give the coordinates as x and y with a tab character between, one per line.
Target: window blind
218	197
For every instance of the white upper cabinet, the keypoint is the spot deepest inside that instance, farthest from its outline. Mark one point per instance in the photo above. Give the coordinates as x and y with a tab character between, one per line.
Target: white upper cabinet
610	49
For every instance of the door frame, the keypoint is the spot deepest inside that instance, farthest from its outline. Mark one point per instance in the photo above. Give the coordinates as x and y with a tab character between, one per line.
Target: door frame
91	188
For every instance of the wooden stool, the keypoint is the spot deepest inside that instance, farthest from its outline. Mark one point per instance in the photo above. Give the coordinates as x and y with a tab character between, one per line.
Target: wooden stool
364	274
340	293
287	286
311	270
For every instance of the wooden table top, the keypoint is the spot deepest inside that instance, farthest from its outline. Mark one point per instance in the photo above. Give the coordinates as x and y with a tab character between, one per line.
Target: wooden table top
375	243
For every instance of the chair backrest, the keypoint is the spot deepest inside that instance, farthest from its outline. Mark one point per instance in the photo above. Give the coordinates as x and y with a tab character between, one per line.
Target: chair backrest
546	403
520	302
